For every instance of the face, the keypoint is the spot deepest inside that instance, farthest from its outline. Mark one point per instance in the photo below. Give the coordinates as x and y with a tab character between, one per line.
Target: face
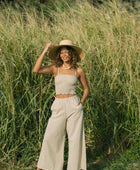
64	54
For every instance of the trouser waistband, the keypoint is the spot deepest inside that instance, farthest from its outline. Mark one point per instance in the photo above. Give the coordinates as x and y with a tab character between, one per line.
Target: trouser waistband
67	98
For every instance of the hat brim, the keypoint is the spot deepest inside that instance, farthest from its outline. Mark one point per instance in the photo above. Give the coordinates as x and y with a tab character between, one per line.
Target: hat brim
53	52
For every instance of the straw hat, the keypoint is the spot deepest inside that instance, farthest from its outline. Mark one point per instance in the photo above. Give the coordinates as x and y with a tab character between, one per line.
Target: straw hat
53	52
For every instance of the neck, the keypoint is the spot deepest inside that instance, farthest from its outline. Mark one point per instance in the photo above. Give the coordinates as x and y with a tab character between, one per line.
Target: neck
66	66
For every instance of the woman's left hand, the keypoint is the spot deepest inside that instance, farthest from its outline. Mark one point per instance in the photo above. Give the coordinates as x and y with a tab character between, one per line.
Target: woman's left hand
79	103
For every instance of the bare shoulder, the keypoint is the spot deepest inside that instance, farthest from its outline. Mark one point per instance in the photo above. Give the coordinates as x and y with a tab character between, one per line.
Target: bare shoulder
51	69
80	72
55	69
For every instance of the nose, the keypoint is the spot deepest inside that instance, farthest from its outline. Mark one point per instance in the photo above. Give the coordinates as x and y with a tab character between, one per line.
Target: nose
64	52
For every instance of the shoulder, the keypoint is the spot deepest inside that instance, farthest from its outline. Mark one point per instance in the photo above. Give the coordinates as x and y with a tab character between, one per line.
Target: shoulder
54	69
80	72
53	66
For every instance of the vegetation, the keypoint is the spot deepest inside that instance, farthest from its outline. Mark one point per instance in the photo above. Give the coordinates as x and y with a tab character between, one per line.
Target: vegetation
109	35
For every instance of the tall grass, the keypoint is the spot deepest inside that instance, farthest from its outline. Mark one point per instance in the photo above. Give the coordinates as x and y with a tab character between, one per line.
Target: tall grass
109	35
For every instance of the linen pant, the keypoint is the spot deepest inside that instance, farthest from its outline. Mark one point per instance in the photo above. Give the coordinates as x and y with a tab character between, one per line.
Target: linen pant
66	116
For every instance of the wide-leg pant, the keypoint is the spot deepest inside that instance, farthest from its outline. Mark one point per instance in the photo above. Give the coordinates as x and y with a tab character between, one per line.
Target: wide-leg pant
66	116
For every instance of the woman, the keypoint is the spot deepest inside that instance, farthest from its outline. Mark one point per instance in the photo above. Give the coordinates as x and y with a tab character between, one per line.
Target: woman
67	108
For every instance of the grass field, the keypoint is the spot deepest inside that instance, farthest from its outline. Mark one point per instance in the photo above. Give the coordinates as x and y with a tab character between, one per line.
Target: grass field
110	37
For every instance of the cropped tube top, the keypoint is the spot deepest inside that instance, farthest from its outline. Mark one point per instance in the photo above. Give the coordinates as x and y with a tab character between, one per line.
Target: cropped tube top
65	83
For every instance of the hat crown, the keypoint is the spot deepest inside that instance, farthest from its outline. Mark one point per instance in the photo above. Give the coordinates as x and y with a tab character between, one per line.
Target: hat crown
66	42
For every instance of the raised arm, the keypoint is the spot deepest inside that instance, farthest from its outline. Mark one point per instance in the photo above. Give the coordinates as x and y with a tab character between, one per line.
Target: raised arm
82	78
38	66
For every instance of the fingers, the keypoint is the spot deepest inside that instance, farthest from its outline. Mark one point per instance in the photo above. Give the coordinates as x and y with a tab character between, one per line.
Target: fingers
78	102
48	47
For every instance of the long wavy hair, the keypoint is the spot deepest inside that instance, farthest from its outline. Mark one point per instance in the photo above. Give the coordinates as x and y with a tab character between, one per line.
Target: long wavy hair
74	57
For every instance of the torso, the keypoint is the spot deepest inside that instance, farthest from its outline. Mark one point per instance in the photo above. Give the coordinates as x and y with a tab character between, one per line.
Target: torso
63	72
64	95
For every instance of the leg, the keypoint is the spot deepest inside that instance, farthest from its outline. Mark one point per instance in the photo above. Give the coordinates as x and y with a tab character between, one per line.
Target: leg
52	151
76	136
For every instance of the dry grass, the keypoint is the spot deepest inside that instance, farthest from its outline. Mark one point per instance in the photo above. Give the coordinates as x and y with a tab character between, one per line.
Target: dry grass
110	39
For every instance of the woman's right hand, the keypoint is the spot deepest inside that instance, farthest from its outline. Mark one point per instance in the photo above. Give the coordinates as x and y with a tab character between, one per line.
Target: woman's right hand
43	70
48	47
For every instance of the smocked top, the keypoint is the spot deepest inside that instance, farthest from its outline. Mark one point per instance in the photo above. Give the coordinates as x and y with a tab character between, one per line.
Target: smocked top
65	83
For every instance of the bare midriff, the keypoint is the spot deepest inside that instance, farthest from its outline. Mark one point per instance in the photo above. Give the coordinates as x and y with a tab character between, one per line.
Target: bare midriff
64	95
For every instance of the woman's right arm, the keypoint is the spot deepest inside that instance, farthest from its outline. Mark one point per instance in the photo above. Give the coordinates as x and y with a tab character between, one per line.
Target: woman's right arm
38	66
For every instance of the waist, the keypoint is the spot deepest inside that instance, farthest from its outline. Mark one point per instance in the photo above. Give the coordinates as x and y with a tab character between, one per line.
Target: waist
65	91
64	95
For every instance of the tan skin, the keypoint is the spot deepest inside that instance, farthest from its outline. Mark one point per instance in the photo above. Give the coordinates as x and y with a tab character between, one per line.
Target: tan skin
52	69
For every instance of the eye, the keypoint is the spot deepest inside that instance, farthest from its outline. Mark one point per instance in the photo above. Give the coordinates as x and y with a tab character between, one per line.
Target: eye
64	52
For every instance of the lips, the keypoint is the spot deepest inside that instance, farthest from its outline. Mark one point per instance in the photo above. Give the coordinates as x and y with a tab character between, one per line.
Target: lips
65	58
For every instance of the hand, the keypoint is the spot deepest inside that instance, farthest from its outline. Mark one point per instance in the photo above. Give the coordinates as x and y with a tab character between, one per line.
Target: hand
79	103
48	47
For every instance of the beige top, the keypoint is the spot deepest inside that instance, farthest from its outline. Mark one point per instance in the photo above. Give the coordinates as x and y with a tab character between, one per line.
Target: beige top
65	83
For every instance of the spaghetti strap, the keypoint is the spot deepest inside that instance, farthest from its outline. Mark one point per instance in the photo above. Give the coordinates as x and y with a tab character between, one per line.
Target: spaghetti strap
58	70
75	72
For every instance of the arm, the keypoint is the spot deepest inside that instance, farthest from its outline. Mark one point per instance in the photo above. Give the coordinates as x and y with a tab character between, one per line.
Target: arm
82	78
38	68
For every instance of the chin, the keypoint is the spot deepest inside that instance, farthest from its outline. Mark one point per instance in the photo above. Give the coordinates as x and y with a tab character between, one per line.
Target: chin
65	60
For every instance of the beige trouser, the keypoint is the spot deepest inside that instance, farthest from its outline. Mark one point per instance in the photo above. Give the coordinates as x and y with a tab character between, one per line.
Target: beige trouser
66	116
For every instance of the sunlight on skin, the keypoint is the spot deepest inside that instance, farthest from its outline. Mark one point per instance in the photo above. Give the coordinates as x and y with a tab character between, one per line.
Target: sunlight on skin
64	54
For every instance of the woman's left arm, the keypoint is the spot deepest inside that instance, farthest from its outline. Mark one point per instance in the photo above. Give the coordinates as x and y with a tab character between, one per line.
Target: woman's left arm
83	80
